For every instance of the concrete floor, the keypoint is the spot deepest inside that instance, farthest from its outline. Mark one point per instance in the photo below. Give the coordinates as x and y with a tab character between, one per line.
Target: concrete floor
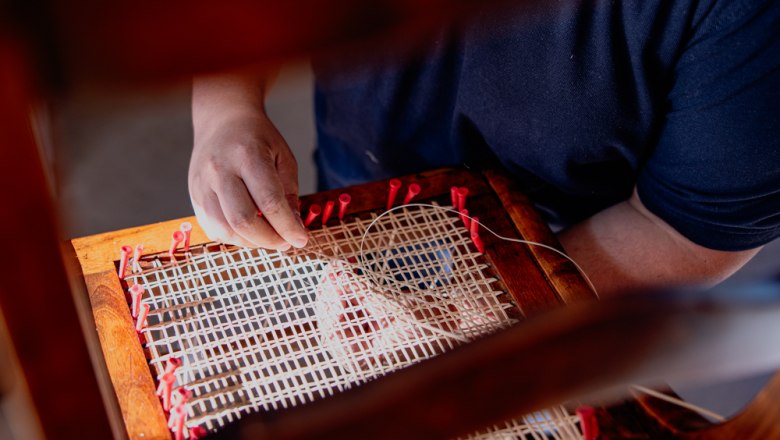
123	162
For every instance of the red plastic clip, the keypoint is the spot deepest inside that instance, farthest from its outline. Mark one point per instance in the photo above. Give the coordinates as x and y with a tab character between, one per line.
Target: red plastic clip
454	196
136	292
165	390
171	365
140	323
178	421
463	192
180	396
395	185
139	251
314	211
176	239
588	422
186	229
344	201
125	252
327	211
413	190
479	244
464	217
197	432
475	235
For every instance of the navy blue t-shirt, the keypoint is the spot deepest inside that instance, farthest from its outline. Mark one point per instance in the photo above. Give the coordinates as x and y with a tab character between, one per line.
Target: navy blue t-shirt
583	101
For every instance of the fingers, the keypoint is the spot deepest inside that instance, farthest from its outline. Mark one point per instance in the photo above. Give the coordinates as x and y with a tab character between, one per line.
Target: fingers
213	222
241	215
240	164
275	192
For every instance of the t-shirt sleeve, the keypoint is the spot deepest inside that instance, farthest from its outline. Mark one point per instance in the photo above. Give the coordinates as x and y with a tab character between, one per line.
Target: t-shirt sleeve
714	174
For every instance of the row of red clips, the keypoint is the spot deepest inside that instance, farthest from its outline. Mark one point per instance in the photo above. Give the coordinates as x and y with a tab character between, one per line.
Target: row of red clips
458	196
174	402
179	238
395	185
173	399
315	210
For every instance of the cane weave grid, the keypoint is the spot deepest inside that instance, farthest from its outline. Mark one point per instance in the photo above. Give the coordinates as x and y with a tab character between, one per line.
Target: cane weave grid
260	330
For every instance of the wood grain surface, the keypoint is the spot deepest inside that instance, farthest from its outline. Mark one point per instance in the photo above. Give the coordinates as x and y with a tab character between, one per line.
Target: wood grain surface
564	277
127	366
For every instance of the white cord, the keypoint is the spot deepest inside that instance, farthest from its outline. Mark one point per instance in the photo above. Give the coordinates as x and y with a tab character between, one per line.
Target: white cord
497	235
673	400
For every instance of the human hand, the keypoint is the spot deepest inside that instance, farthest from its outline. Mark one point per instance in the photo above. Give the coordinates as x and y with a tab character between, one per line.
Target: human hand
240	163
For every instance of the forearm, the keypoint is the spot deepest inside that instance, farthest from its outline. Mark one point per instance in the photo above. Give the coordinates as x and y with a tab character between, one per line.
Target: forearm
241	164
221	97
626	247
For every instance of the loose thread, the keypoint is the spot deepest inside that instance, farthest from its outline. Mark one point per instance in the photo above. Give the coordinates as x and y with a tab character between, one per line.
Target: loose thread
473	220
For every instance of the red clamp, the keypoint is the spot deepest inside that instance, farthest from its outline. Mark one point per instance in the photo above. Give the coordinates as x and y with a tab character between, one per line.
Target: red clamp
327	211
178	421
186	229
464	217
588	422
136	292
454	196
314	211
176	239
463	192
165	390
139	251
395	185
197	432
125	252
344	201
413	190
172	364
180	397
475	235
142	314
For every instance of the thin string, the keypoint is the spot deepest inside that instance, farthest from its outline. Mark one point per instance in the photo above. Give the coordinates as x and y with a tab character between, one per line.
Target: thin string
471	219
695	408
422	324
640	388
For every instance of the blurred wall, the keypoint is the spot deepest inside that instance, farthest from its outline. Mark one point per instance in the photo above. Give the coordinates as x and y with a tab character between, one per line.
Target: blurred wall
121	158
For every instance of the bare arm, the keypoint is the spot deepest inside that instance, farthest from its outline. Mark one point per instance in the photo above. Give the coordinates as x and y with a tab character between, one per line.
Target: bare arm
240	163
628	247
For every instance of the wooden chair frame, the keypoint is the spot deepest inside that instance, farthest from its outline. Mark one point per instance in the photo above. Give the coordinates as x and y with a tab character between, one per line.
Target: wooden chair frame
78	386
548	279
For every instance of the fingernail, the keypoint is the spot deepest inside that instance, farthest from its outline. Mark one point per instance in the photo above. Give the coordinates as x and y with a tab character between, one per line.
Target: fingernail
299	242
284	247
